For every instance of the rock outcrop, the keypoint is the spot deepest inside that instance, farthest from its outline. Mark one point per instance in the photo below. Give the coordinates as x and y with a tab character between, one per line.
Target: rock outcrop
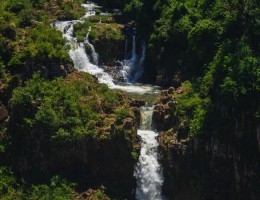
164	106
109	42
99	153
221	164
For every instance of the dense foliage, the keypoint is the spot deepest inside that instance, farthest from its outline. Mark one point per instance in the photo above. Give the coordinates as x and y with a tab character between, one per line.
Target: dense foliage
65	109
210	48
28	43
210	43
11	188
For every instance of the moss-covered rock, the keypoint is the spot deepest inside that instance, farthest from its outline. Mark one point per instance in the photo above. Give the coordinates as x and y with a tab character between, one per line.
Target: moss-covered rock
106	36
74	124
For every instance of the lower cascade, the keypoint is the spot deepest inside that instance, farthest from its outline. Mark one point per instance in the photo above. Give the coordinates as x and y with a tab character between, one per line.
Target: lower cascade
148	171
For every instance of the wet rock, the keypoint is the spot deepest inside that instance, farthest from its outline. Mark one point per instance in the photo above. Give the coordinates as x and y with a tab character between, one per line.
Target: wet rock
128	123
171	104
164	93
170	90
137	103
137	115
157	120
164	99
115	72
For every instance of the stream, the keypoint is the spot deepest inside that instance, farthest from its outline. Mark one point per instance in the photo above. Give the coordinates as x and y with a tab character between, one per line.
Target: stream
148	171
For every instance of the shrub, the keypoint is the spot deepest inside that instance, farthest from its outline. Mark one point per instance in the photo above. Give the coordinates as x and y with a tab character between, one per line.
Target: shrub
191	110
121	114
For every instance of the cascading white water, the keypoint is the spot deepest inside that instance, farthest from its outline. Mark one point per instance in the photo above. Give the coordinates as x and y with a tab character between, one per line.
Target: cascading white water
94	54
133	67
148	171
141	62
81	60
139	71
78	53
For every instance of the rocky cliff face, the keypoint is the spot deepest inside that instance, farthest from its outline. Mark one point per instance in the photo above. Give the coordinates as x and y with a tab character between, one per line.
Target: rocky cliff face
109	42
221	164
106	156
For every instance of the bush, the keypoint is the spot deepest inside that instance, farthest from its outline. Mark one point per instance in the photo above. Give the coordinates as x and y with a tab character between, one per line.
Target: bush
17	5
121	114
57	189
191	110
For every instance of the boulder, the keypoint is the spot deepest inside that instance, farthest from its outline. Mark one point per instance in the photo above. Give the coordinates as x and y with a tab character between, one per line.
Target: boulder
137	103
170	90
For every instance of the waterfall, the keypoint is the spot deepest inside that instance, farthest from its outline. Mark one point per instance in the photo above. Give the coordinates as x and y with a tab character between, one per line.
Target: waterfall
77	51
81	60
133	49
140	66
94	54
148	171
141	62
133	67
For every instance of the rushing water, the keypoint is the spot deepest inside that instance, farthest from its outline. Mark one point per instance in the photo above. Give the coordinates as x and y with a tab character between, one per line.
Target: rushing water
133	67
94	54
81	59
148	171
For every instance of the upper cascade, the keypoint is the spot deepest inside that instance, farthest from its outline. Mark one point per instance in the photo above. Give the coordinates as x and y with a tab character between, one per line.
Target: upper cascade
133	66
89	64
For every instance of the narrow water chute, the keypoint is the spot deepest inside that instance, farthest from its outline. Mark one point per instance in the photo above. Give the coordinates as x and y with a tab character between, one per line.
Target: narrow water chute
148	171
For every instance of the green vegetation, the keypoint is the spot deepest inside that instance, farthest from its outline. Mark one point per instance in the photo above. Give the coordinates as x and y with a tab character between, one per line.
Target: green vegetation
11	188
185	38
210	51
58	118
98	29
61	117
191	110
43	50
212	44
28	43
60	111
121	114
